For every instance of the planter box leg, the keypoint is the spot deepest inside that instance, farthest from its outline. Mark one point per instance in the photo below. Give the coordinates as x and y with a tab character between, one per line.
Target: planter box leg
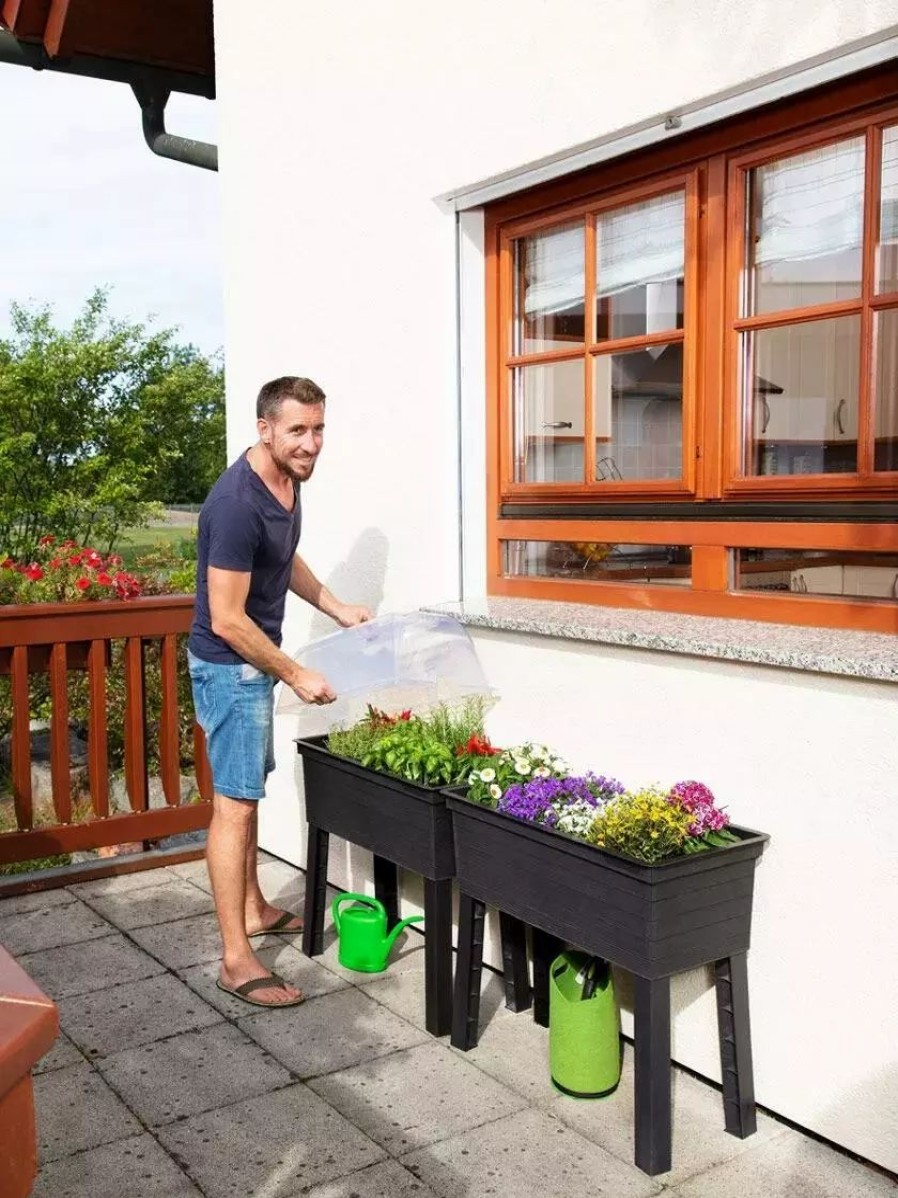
546	948
514	963
316	892
438	956
386	888
468	967
734	1029
652	1053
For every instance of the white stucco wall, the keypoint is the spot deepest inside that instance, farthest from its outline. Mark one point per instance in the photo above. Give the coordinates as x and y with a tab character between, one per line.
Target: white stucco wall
338	127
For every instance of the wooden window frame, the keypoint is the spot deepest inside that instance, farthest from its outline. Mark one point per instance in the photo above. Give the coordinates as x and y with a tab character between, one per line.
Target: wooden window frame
709	160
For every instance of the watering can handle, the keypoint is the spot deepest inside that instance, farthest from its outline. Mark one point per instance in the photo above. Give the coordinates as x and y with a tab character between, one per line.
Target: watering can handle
354	898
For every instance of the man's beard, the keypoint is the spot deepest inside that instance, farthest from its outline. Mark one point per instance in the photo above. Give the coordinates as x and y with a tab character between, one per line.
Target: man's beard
297	474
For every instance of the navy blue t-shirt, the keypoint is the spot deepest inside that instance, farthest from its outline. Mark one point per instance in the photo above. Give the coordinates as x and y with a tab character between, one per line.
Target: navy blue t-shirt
243	527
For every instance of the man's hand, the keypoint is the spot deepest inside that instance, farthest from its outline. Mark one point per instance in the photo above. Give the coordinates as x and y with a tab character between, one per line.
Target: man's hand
347	615
311	687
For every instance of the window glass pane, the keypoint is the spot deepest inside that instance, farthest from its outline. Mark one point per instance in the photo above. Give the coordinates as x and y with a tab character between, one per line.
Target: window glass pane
638	413
818	572
887	272
886	418
548	292
800	386
804	232
664	565
549	409
640	253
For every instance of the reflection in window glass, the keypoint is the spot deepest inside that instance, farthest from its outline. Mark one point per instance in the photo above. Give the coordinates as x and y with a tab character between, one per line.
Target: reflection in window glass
638	420
886	400
640	254
801	397
664	565
549	411
804	231
548	293
887	257
818	572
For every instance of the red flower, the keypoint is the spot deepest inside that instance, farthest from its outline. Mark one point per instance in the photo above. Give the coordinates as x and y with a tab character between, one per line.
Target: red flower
8	564
477	747
34	572
104	579
48	540
75	559
68	545
406	715
56	563
82	583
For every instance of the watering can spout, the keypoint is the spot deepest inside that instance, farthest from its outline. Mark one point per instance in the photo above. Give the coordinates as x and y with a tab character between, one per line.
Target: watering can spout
400	927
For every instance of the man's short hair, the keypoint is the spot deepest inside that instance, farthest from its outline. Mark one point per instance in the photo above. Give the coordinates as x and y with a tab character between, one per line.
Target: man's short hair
273	394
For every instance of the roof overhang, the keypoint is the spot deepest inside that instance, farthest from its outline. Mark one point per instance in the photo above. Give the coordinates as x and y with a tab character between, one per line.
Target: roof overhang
170	41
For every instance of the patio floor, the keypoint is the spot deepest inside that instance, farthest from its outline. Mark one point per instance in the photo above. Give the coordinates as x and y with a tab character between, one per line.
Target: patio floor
160	1086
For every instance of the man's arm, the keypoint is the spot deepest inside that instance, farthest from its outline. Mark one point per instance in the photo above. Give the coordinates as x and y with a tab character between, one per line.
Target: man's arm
304	583
228	591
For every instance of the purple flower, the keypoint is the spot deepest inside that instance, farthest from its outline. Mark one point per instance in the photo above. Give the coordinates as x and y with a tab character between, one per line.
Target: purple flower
542	800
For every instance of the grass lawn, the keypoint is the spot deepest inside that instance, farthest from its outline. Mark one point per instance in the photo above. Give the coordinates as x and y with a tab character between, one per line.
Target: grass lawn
136	541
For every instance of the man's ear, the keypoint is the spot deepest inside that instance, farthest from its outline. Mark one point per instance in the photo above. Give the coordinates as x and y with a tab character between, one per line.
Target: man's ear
264	431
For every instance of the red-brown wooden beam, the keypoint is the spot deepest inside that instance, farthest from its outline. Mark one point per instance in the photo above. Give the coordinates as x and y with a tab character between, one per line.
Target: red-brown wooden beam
174	34
27	19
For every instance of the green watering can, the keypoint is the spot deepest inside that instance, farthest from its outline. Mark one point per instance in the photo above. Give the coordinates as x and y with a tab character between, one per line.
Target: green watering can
364	941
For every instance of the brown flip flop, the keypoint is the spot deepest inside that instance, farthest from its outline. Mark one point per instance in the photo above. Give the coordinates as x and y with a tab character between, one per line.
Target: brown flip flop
279	925
244	991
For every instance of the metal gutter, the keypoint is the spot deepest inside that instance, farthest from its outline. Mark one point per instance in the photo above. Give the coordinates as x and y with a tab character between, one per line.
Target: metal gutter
152	87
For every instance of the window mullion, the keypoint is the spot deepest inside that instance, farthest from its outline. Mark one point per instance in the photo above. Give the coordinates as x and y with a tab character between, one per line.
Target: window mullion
589	321
866	421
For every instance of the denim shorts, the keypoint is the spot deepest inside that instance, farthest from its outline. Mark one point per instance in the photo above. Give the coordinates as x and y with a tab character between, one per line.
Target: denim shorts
234	707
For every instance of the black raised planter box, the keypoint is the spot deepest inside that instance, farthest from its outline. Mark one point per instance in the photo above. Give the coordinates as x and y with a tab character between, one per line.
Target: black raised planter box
403	825
654	920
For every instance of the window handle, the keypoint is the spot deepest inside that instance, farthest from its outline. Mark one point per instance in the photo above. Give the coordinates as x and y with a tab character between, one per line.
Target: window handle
766	417
839	410
558	424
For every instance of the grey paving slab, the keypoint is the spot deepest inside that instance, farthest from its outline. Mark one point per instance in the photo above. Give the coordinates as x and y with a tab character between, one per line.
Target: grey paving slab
526	1154
187	942
330	1033
279	1146
192	1072
279	956
61	1054
93	965
413	1098
790	1166
403	992
75	1109
141	879
136	1167
515	1052
279	879
171	899
699	1138
48	926
193	871
386	1180
132	1014
20	904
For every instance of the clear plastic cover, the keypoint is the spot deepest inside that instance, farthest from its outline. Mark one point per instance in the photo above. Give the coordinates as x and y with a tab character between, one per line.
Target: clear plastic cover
416	661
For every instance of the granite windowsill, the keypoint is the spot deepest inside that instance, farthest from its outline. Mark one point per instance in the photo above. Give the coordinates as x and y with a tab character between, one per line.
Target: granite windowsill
867	655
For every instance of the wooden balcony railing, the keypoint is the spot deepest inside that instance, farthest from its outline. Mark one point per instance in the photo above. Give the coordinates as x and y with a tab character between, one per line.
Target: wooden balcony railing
48	645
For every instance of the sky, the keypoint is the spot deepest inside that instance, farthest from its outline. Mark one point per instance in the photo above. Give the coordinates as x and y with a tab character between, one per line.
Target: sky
85	203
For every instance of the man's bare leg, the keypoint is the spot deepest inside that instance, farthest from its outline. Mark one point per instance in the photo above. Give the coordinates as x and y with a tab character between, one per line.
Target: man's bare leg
260	914
227	847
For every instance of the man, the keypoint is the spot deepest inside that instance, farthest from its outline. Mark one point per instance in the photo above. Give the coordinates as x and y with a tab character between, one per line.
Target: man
248	533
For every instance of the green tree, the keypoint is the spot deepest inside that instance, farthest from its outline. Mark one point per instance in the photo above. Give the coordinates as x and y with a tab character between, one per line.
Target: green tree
99	423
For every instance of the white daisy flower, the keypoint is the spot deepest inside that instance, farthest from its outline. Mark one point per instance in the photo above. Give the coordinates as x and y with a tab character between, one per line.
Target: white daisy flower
472	778
487	775
495	791
541	772
523	767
